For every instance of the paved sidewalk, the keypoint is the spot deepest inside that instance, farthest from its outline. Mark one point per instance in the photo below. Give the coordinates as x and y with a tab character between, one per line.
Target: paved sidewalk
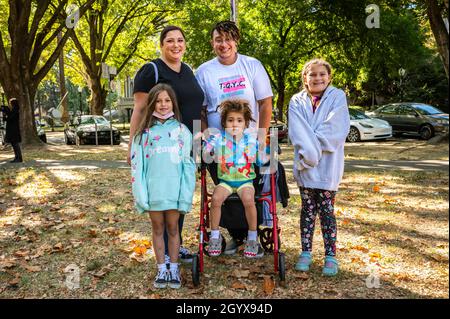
350	165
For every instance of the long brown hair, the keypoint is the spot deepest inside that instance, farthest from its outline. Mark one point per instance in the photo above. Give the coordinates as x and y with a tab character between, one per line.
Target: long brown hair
148	120
308	66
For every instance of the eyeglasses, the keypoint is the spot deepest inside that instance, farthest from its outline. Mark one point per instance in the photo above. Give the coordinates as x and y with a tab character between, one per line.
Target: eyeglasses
221	40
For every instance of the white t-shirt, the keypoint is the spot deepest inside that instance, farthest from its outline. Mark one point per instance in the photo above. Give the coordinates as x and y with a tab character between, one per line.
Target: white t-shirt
245	79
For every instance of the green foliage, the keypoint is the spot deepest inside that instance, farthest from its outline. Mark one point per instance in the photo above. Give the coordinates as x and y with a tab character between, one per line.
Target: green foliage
282	34
197	20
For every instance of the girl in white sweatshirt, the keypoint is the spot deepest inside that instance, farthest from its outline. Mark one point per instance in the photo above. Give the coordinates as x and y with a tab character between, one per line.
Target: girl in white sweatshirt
318	126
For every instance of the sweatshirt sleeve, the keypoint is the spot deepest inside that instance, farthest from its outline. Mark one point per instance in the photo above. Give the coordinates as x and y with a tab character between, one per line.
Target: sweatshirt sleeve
187	187
138	175
334	130
262	153
210	146
302	136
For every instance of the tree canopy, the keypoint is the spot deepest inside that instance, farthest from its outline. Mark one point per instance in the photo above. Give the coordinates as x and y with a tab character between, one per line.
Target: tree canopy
282	34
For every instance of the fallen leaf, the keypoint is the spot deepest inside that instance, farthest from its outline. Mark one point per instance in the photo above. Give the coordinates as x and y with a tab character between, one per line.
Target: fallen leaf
14	282
374	256
140	250
403	276
138	258
32	268
268	285
111	231
60	226
238	285
81	215
439	257
102	272
361	248
241	273
75	243
357	260
58	247
22	253
229	261
93	232
7	264
301	275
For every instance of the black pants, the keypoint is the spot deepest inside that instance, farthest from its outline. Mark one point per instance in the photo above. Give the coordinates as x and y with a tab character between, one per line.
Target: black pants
17	151
166	236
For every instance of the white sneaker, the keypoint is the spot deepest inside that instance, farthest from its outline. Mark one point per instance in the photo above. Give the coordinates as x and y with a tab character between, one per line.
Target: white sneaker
232	247
185	255
161	279
253	249
215	246
175	279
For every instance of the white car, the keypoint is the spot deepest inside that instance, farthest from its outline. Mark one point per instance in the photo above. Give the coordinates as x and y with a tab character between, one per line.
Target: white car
363	127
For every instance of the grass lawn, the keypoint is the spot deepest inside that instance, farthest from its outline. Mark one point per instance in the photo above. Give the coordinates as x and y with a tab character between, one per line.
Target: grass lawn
393	235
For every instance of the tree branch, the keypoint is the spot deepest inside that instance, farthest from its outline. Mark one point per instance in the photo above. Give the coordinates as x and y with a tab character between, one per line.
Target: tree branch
84	57
52	59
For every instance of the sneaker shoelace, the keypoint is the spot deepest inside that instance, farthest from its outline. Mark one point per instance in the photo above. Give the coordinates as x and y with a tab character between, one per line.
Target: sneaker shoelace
175	275
184	251
162	274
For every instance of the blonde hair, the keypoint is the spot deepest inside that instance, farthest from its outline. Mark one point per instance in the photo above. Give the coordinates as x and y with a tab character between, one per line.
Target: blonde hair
148	120
308	66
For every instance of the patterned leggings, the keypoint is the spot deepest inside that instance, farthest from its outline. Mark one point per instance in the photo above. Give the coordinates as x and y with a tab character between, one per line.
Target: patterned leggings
318	201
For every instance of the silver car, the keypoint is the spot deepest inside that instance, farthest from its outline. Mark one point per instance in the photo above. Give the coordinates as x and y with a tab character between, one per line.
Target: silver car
416	118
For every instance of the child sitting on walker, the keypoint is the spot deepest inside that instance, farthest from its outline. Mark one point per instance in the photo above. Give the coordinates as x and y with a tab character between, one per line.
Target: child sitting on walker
235	150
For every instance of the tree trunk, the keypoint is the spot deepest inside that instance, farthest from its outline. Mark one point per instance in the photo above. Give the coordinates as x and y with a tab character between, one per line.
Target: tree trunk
25	95
62	85
98	96
439	31
280	99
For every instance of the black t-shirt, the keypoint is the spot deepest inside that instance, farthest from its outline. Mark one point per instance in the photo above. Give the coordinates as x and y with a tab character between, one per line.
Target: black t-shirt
189	93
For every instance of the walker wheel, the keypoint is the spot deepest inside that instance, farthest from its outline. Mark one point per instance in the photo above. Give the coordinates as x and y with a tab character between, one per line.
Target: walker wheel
266	239
195	270
282	268
206	244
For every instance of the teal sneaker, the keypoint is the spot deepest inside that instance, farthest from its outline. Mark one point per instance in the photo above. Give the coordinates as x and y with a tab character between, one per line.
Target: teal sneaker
304	261
330	267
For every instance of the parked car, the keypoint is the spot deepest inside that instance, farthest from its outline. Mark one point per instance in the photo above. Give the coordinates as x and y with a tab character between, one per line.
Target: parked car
418	118
83	132
362	127
282	130
41	132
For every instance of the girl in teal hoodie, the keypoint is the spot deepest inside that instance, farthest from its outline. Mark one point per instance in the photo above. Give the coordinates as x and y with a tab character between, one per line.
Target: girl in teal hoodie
163	176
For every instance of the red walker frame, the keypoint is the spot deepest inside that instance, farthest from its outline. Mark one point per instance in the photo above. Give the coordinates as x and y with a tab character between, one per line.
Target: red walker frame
198	261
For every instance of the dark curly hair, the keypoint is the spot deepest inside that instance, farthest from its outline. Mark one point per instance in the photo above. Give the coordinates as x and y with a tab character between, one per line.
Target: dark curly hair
238	106
229	28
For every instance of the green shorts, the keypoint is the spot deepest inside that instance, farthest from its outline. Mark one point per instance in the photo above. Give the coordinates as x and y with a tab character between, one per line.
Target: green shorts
238	189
